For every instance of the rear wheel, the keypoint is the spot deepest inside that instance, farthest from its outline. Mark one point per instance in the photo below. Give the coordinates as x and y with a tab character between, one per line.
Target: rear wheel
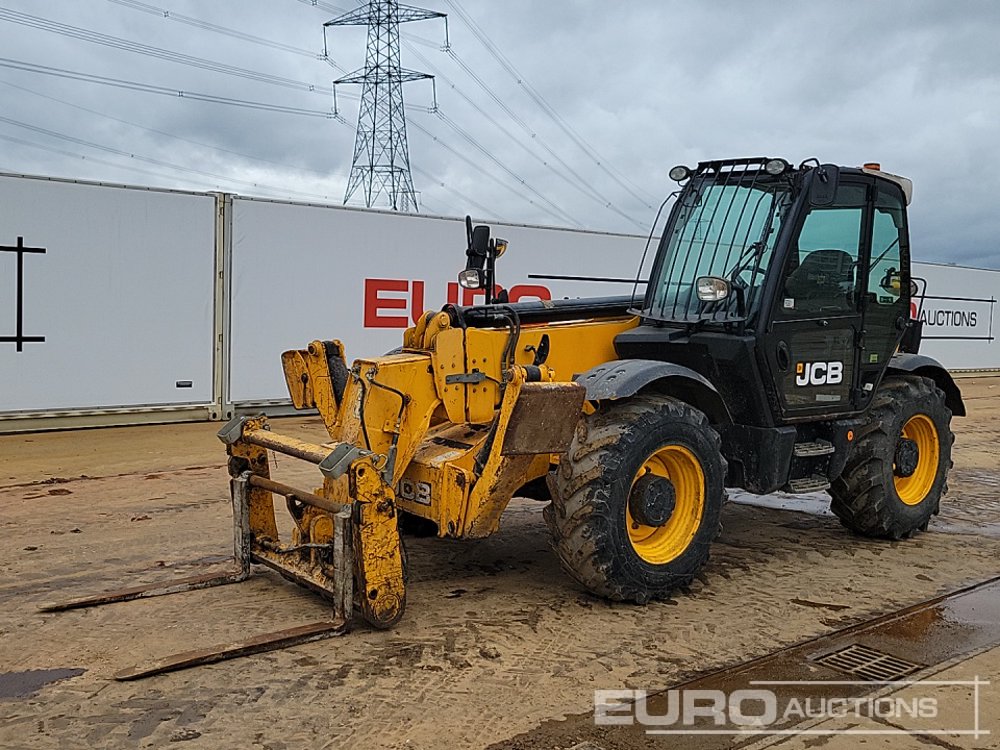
636	501
898	471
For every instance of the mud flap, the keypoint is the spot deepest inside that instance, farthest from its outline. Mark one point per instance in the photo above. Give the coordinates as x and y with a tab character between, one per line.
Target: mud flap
543	419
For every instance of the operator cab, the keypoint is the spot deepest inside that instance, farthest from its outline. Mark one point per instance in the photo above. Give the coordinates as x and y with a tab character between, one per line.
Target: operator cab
787	287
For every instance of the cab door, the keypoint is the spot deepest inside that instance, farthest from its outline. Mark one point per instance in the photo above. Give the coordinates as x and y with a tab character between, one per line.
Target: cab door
812	346
885	298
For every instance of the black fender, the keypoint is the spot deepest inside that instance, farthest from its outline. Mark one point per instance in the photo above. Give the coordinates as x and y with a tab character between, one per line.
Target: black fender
626	377
928	367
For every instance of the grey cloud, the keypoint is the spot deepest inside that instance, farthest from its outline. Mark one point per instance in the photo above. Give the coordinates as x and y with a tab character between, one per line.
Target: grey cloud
647	83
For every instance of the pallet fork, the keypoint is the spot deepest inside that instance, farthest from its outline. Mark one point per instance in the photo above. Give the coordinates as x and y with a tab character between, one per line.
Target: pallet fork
321	557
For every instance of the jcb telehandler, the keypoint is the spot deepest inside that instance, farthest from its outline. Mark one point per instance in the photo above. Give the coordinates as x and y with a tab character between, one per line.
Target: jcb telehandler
773	349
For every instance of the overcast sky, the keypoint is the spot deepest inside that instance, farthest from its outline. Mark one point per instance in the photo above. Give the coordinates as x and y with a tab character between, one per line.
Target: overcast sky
913	84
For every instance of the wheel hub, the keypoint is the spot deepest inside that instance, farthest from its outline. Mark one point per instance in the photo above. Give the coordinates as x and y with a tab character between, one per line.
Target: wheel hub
652	500
907	457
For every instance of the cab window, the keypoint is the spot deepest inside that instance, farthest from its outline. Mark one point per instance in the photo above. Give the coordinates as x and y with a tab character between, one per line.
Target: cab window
821	276
885	278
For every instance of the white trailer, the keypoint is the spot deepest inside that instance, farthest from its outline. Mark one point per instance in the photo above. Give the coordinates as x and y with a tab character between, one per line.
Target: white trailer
163	305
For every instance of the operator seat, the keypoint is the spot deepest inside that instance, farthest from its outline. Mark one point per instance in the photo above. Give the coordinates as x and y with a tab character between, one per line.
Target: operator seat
823	280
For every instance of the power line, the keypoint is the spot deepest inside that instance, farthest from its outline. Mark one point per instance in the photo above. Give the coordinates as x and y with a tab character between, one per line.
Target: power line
340	11
169	15
107	40
550	207
489	155
539	100
576	181
478	167
82	157
167	134
149	160
259	186
486	212
536	97
528	129
153	89
18	65
462	196
129	167
127	45
324	6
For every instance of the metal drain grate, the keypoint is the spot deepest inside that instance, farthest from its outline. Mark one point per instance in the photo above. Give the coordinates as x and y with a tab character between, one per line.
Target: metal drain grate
868	663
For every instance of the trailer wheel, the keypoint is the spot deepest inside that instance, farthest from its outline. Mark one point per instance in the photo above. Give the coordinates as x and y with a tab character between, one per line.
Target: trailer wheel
637	498
898	470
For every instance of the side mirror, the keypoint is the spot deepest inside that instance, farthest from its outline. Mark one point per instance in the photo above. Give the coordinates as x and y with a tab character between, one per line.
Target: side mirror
891	282
823	185
474	275
480	244
712	288
480	260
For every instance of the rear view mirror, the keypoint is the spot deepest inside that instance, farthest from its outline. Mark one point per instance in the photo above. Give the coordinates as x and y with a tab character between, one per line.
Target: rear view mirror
823	186
891	281
480	241
480	262
476	255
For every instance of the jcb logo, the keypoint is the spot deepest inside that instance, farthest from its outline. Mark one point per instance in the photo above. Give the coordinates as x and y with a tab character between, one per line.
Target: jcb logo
819	373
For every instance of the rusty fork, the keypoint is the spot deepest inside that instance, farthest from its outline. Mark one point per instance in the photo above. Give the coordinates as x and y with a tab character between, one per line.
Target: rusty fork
246	551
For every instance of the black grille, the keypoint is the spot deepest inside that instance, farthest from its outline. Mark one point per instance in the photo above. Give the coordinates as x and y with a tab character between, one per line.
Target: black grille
868	663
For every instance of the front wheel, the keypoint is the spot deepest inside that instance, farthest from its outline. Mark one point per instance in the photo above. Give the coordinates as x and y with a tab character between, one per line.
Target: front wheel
898	470
637	498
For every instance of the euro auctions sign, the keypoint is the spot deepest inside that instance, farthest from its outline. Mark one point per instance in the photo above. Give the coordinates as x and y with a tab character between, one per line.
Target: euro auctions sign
955	317
394	303
959	312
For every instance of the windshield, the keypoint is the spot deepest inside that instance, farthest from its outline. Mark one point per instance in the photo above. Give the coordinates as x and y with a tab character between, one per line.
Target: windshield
724	224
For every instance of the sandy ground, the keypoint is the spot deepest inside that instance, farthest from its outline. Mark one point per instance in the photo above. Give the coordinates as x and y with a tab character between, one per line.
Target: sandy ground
956	707
495	640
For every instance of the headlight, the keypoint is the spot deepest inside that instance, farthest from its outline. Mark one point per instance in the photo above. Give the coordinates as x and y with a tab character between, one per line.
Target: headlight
775	166
712	288
678	173
471	278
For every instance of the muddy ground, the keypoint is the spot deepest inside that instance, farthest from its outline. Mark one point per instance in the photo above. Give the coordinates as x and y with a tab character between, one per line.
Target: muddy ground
495	641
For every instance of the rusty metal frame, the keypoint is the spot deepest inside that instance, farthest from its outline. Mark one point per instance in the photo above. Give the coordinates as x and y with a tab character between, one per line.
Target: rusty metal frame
247	550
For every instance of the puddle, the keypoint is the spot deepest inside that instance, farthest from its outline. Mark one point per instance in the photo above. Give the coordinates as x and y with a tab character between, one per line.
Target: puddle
928	634
970	507
23	684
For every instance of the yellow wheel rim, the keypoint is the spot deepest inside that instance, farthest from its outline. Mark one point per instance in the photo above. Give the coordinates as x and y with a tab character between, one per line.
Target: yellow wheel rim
661	544
914	488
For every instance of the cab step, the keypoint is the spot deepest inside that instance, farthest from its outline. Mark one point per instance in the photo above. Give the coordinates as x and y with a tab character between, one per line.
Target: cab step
814	483
813	448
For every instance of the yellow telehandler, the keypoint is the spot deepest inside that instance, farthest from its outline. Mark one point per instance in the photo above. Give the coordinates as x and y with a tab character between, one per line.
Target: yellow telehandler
773	349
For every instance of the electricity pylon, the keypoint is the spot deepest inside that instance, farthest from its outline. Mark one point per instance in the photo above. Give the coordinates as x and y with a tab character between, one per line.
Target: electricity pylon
381	156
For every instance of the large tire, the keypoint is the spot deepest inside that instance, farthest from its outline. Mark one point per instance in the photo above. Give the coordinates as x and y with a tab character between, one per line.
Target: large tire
908	423
593	531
